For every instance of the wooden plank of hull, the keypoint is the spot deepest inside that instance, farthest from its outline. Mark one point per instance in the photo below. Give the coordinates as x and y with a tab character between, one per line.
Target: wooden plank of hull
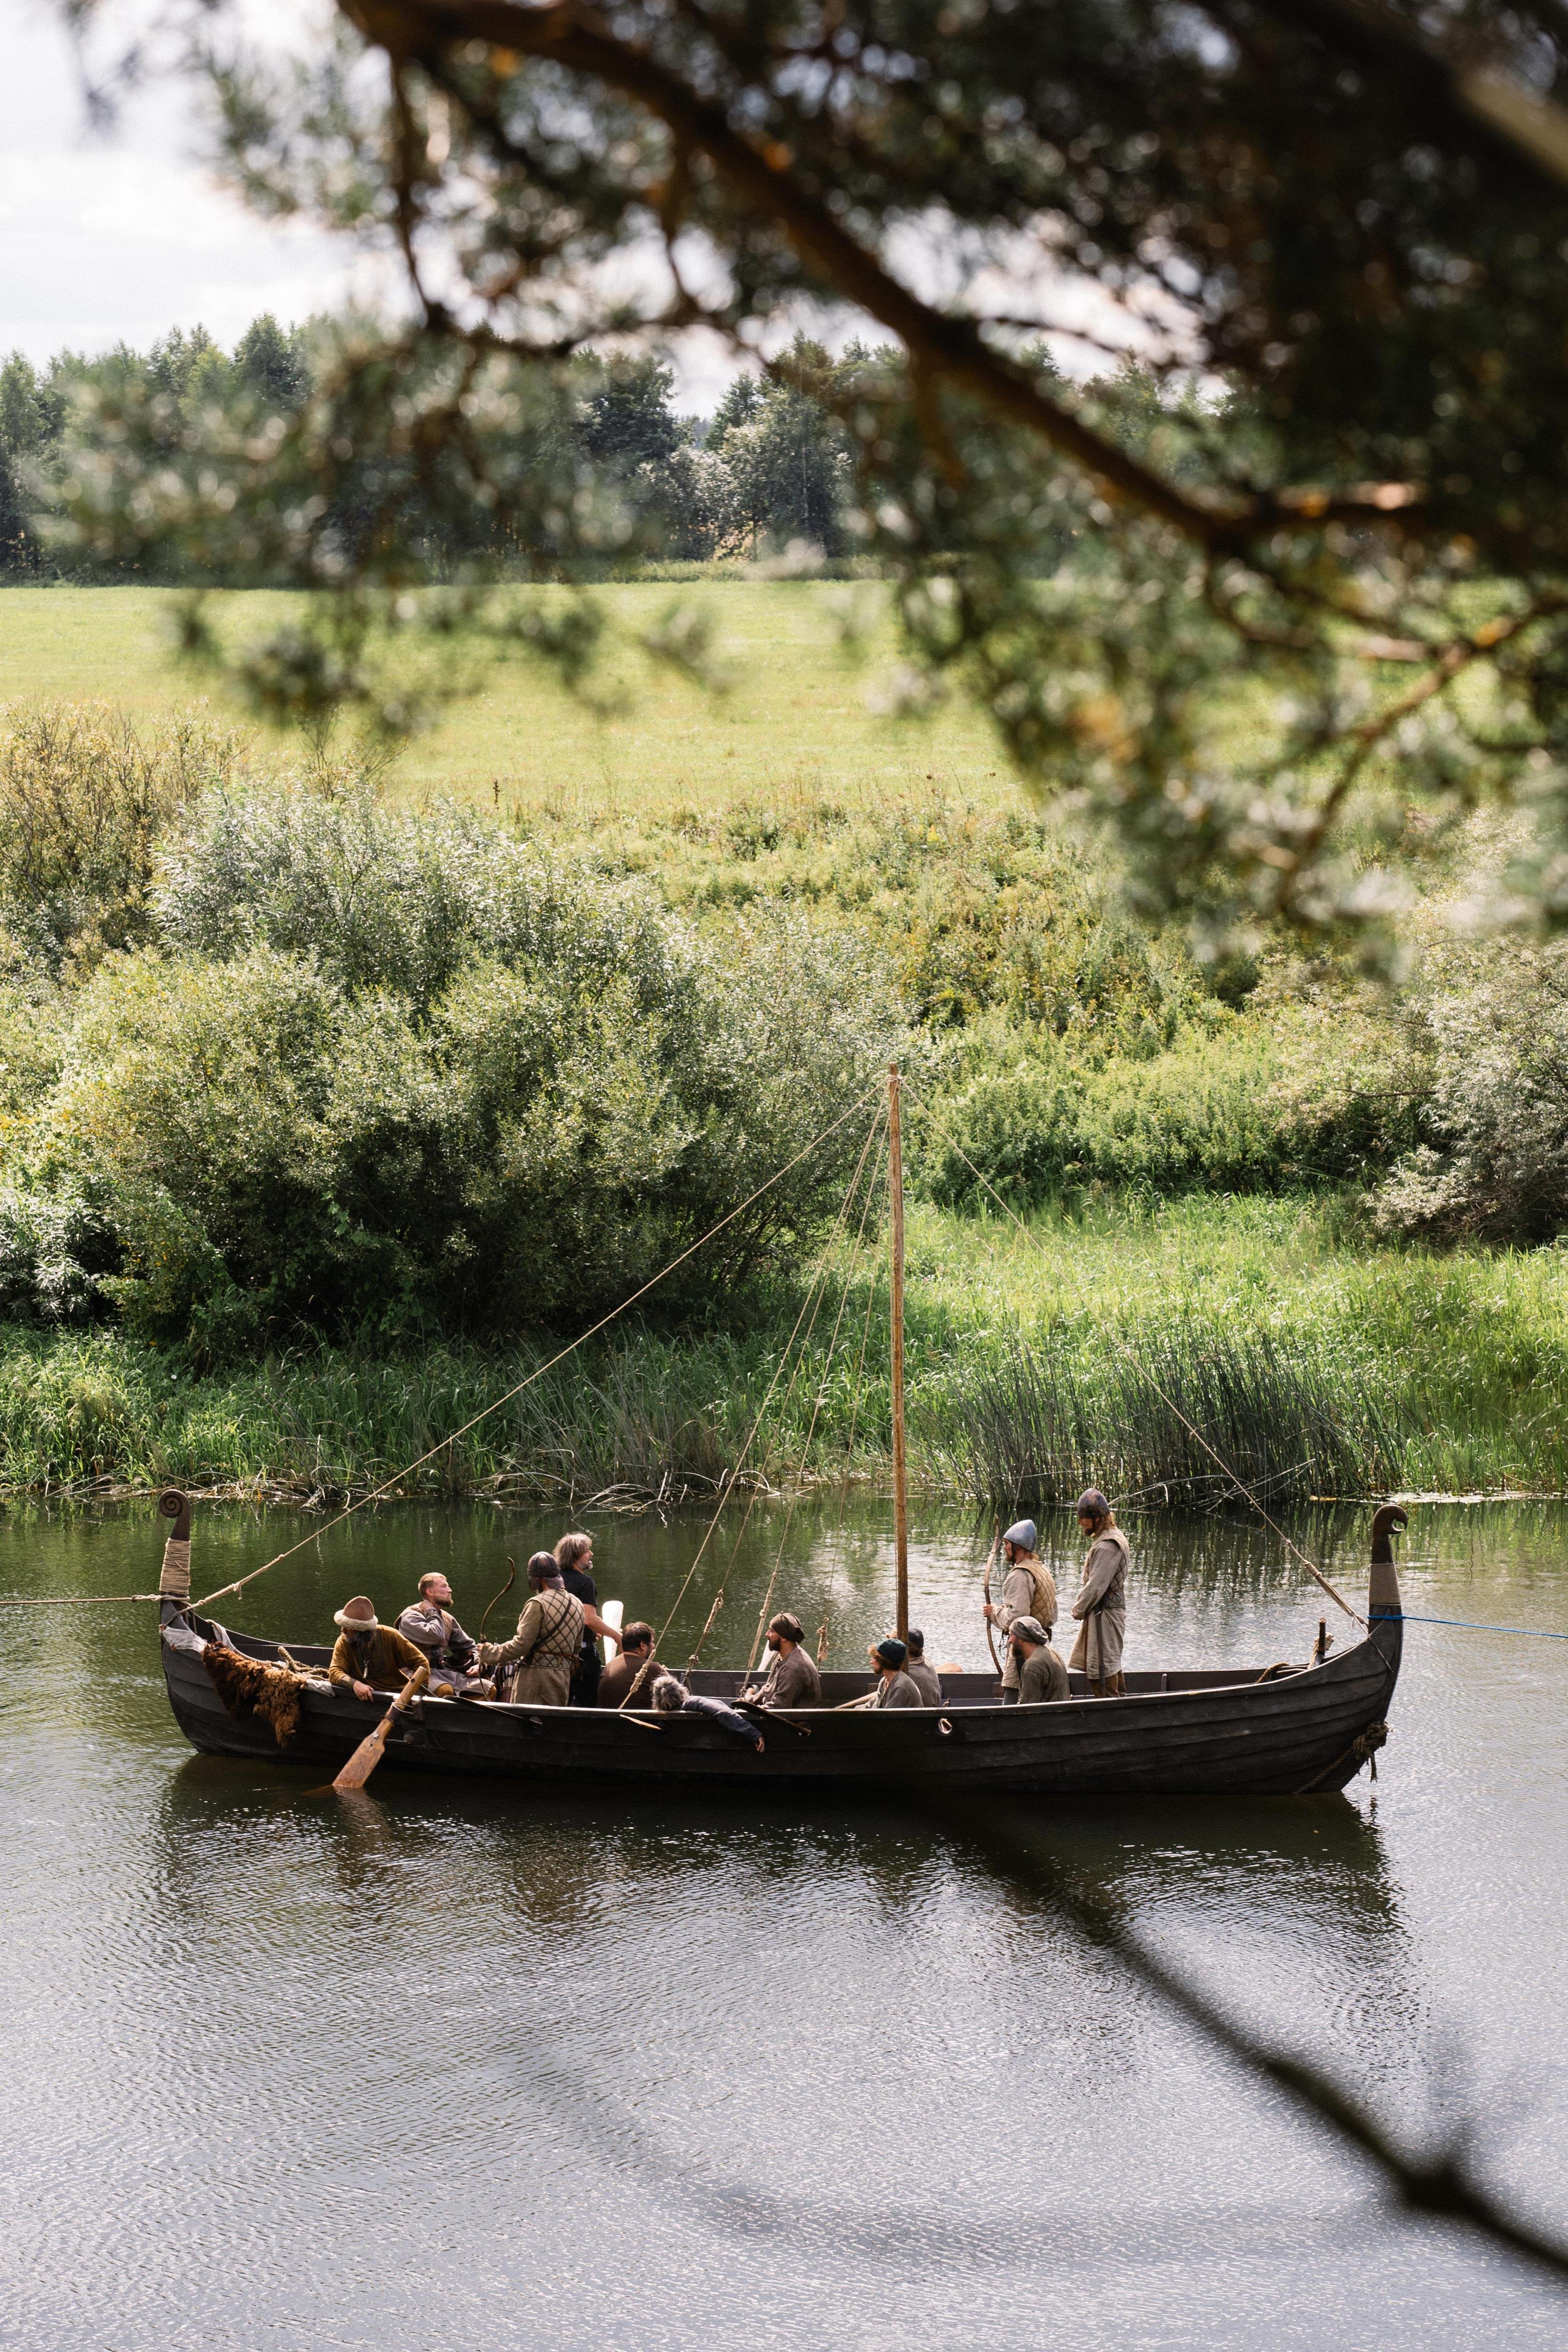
1244	1739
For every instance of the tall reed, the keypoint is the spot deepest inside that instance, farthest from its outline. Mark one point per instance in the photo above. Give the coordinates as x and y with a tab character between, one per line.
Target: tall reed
1037	1423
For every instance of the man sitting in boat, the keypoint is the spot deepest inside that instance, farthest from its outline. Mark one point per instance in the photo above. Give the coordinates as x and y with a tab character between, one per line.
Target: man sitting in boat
541	1654
429	1624
661	1691
367	1656
792	1676
921	1673
1043	1677
615	1682
1029	1590
893	1688
1101	1602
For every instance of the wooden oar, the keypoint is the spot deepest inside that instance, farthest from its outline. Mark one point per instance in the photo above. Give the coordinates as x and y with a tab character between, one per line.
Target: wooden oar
613	1614
369	1752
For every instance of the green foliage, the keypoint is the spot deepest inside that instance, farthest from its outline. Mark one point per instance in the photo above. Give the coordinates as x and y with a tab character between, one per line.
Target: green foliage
84	797
1241	1110
1494	1027
385	1071
1034	1426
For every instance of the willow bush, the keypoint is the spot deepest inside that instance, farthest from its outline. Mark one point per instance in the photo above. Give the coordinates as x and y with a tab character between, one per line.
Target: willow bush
377	1073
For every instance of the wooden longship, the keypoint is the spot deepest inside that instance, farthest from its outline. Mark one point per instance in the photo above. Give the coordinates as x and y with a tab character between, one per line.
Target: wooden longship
1282	1730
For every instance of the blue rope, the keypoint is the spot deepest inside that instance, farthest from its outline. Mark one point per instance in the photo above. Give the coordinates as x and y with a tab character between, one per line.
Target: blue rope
1531	1633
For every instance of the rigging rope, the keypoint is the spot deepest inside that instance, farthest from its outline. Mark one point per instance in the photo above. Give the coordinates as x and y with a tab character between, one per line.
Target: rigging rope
540	1370
1169	1403
817	1404
1469	1625
817	1277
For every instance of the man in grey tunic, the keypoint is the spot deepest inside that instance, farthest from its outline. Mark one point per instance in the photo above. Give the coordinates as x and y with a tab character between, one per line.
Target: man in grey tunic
429	1624
1101	1602
893	1688
1043	1677
1029	1590
792	1676
921	1673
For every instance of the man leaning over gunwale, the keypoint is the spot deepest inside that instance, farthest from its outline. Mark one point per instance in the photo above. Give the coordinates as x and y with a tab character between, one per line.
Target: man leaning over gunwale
367	1656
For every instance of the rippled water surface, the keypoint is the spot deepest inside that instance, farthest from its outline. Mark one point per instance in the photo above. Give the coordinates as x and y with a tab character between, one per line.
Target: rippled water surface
462	2067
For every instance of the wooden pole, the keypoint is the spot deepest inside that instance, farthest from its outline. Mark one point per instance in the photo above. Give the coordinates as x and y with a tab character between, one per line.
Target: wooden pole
899	1495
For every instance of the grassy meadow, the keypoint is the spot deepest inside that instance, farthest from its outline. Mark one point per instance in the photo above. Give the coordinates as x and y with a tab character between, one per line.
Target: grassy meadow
1197	1245
799	721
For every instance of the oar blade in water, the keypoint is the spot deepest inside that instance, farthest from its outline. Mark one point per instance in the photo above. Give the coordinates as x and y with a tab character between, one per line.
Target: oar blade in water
366	1756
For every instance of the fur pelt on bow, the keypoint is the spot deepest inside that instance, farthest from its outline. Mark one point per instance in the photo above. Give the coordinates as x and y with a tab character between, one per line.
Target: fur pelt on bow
248	1687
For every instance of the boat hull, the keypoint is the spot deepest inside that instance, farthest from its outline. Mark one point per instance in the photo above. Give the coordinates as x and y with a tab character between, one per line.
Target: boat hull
1172	1735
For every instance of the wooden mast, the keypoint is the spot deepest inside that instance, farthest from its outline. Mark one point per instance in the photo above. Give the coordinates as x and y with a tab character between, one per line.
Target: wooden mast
900	1496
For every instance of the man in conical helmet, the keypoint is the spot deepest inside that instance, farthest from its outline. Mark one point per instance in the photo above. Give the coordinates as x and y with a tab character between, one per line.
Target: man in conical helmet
1029	1590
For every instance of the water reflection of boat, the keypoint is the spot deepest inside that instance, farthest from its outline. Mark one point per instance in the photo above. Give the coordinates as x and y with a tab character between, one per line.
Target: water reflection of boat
1285	1729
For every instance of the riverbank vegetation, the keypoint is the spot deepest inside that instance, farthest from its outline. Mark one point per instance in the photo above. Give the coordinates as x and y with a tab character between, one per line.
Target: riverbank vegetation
325	1115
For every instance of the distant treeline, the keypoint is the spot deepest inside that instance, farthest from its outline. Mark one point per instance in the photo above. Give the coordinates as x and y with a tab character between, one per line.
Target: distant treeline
770	468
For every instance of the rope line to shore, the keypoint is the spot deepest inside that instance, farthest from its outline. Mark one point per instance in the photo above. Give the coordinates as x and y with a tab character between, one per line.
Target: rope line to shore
1170	1403
540	1370
1470	1625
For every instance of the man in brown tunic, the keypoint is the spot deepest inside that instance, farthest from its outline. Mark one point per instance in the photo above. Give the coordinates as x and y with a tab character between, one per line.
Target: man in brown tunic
921	1673
367	1656
543	1651
1101	1602
792	1676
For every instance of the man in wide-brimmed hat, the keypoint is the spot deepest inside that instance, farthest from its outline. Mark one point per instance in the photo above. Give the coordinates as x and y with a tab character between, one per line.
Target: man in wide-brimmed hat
367	1656
1029	1590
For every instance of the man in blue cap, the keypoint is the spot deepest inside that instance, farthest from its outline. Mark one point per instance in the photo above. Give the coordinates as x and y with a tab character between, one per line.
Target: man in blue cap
1029	1590
893	1687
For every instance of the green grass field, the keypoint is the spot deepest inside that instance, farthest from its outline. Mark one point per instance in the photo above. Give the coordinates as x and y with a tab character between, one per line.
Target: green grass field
798	724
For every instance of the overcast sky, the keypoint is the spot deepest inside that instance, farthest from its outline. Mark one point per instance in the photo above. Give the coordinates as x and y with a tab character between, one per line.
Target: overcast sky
106	239
110	237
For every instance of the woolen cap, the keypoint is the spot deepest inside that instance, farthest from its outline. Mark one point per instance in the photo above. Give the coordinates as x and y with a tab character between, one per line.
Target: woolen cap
916	1643
1024	1533
1092	1503
1028	1629
788	1625
544	1569
358	1615
891	1652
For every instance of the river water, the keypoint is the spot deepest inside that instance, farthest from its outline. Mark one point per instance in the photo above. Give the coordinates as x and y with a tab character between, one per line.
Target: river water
464	2068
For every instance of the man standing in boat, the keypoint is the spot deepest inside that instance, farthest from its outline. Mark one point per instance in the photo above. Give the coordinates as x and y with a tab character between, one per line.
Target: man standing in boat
574	1558
1101	1602
544	1649
1029	1590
